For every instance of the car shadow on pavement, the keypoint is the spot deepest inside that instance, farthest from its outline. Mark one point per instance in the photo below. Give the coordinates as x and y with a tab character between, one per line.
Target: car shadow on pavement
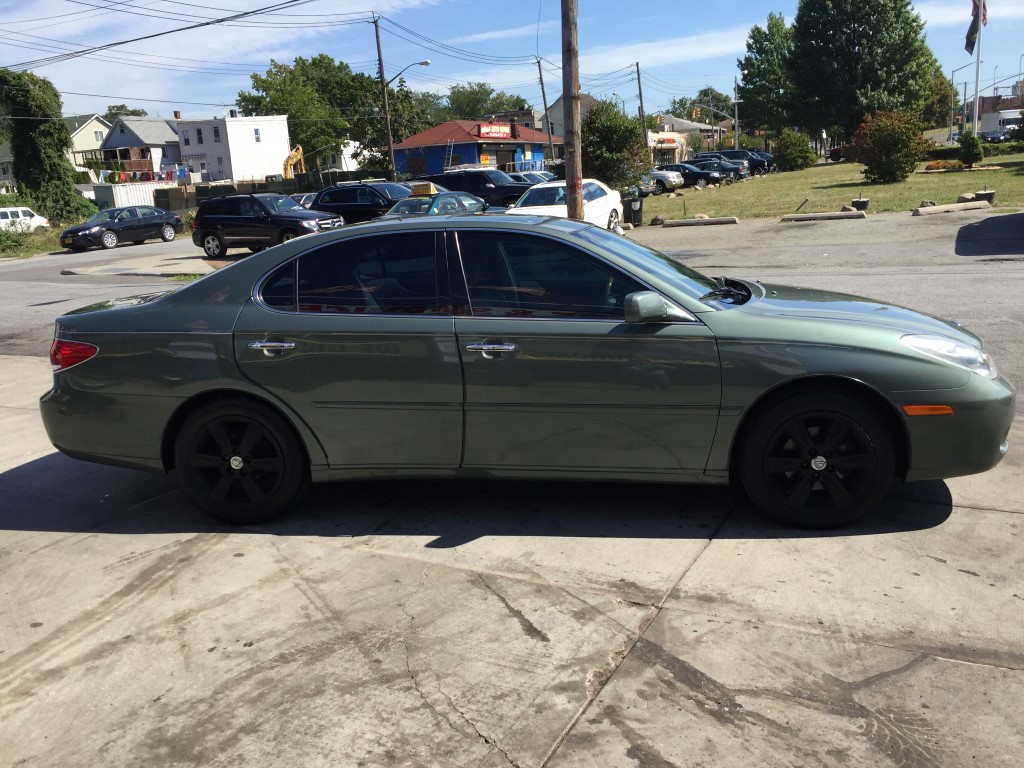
992	236
92	498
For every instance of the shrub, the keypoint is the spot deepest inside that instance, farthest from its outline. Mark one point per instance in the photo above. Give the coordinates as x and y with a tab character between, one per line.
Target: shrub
944	165
12	240
971	150
793	152
889	144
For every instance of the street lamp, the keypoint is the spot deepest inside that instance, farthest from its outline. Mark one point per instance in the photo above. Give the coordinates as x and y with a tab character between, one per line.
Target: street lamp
952	102
736	110
384	97
615	95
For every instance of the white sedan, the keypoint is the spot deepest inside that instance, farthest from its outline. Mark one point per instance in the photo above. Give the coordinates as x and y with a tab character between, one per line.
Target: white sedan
601	205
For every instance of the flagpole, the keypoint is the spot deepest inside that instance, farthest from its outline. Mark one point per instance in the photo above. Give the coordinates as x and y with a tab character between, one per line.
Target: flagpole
977	64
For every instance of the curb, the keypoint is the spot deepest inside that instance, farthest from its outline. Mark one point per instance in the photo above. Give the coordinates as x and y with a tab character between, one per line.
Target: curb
951	207
700	222
824	216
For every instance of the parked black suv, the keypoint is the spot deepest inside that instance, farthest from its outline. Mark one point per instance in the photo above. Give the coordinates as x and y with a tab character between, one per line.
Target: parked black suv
359	200
756	164
494	186
254	221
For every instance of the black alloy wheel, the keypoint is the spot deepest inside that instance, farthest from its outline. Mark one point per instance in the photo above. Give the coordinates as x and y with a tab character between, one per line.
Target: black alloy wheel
239	461
820	460
288	234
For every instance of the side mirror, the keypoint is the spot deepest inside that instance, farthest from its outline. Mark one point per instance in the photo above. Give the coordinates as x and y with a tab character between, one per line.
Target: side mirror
645	307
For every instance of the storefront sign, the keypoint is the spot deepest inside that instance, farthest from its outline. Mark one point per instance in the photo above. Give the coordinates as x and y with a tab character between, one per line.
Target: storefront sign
495	131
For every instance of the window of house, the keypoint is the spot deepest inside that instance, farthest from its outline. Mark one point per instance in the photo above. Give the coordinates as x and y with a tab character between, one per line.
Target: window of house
379	274
184	136
199	135
120	128
97	135
510	274
256	134
216	134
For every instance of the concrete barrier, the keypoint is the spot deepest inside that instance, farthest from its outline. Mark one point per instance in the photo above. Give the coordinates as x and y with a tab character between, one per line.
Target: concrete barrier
700	222
824	216
951	207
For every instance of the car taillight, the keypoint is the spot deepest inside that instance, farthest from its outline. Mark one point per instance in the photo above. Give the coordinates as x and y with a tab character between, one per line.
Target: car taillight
64	354
193	225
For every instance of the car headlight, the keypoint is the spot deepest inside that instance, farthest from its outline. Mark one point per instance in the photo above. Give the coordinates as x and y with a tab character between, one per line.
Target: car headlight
963	355
310	225
93	230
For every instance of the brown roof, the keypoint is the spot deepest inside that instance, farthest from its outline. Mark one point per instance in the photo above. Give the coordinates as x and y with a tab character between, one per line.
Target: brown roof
465	132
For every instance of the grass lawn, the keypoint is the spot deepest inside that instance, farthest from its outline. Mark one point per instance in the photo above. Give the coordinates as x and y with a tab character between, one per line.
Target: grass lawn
829	186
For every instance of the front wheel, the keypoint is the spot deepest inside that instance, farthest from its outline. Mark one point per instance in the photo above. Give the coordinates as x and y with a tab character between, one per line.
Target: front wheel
820	460
659	187
700	183
167	233
239	461
613	219
213	245
288	234
109	239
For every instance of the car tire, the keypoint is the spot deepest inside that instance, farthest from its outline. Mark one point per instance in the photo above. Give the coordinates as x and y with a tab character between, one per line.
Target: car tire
213	245
700	183
108	239
167	233
820	461
239	461
286	235
613	219
659	187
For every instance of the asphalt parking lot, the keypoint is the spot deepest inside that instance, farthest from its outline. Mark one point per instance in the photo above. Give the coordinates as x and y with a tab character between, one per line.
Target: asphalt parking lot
442	623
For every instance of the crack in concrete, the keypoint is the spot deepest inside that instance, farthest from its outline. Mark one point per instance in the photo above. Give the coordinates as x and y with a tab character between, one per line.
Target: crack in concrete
528	627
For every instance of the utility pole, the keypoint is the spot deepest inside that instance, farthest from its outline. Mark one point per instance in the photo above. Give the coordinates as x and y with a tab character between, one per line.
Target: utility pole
384	97
571	111
547	117
640	92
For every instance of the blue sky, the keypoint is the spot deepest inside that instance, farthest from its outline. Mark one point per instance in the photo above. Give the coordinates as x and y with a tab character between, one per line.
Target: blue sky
681	47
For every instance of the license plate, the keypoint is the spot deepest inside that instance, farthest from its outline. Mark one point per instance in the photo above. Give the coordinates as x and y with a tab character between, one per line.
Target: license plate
67	241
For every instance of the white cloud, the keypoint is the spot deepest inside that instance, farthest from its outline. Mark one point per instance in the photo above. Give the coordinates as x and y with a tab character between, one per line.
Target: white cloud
950	14
529	30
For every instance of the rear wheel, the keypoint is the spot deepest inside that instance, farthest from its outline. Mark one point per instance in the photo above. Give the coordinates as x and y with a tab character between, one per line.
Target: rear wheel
239	461
819	460
613	219
213	245
109	239
167	233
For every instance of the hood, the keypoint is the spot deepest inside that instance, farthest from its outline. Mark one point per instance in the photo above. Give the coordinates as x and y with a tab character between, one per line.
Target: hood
306	215
811	304
80	228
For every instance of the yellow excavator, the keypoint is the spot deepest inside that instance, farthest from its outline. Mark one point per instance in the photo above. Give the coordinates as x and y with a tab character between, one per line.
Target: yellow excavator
294	163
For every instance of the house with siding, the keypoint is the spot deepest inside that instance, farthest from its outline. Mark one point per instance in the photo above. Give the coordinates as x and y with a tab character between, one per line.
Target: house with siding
144	145
88	133
240	148
6	168
506	146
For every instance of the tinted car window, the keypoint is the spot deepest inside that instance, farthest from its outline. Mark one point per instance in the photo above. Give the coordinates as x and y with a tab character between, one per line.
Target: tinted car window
380	274
278	290
510	274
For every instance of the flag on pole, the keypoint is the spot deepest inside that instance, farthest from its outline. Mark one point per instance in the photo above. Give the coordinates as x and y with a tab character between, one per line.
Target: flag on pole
979	14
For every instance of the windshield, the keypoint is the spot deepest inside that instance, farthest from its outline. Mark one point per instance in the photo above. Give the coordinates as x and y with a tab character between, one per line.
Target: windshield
499	177
392	190
542	196
413	205
282	204
100	216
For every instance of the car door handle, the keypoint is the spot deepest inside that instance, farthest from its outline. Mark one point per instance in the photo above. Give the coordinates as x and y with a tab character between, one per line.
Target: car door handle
271	345
491	351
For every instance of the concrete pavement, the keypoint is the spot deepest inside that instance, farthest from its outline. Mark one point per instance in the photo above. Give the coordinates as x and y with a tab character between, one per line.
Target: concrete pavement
436	623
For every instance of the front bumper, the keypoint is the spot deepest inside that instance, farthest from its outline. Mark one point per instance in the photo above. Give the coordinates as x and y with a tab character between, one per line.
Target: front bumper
81	240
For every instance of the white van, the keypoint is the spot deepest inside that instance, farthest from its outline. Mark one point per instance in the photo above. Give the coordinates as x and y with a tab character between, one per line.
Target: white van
21	218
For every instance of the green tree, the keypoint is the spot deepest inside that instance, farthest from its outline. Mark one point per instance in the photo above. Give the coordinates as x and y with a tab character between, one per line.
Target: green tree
613	148
115	111
293	90
766	86
793	151
941	97
971	149
40	141
697	108
474	100
889	145
856	57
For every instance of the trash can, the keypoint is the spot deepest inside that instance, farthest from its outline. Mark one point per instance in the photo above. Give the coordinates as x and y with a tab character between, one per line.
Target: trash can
634	210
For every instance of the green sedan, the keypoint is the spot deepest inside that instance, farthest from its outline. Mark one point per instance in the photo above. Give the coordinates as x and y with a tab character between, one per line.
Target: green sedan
519	347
